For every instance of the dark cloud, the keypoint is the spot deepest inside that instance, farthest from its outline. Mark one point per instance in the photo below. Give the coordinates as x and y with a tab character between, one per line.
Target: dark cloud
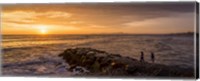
165	6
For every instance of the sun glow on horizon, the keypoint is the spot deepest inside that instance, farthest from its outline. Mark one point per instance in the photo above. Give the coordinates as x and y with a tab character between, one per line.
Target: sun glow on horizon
43	29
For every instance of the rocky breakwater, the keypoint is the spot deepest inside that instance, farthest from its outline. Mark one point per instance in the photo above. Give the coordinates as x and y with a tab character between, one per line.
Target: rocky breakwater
101	63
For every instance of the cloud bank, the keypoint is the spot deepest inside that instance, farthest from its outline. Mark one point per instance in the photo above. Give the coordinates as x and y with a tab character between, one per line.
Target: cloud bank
118	17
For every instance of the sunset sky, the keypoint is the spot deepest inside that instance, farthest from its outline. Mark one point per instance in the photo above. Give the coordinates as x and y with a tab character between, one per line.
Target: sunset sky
135	18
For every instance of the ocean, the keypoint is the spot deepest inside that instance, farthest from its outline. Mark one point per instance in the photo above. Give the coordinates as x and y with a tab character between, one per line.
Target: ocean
30	55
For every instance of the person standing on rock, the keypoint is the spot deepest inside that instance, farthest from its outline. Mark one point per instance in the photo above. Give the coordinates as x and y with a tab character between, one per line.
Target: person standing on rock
142	57
152	57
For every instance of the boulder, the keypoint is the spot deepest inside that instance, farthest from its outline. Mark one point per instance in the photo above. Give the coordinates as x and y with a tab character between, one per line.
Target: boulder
101	63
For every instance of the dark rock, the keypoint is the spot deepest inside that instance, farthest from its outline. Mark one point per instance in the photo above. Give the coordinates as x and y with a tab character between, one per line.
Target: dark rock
72	67
103	63
79	70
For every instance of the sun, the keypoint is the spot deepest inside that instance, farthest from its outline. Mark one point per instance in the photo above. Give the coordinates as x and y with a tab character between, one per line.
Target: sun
43	29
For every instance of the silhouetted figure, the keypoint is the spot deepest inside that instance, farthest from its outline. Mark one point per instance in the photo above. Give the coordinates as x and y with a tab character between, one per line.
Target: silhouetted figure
152	57
142	57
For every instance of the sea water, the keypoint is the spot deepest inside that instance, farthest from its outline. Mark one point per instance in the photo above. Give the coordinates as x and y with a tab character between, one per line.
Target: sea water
38	54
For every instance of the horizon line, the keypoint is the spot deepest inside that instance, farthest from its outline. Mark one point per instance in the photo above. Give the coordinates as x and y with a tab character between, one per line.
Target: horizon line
112	33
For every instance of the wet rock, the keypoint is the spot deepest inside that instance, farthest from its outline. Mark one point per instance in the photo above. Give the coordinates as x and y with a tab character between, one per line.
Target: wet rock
71	67
106	64
41	69
95	66
79	69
